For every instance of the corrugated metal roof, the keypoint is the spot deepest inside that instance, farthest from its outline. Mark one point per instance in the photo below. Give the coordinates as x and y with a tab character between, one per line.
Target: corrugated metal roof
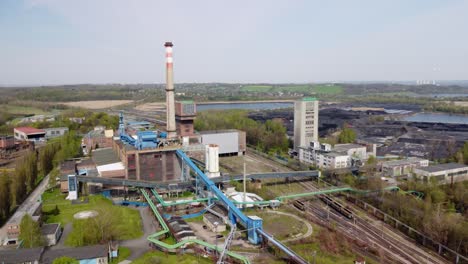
30	130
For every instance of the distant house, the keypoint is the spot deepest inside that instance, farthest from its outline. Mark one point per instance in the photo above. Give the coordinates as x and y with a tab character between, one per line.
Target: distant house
55	132
78	120
21	256
98	254
29	134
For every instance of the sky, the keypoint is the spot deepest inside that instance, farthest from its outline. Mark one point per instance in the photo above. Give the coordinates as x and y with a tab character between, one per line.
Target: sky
53	42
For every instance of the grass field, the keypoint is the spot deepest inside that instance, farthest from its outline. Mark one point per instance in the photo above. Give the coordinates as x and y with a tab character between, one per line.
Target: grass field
22	110
158	257
123	254
129	221
101	104
281	226
328	89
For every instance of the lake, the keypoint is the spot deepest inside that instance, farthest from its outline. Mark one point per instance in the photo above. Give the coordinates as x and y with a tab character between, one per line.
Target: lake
437	118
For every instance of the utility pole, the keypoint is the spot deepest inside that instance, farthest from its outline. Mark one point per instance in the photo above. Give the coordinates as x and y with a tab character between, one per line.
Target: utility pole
244	205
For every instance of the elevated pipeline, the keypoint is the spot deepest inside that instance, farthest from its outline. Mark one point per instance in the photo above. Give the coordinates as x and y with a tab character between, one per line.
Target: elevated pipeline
154	238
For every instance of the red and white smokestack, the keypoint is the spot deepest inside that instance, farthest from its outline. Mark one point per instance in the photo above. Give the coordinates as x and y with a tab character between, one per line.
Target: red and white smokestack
171	123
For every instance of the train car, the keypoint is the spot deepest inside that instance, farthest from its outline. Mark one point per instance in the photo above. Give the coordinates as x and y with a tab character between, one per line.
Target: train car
7	142
299	205
338	207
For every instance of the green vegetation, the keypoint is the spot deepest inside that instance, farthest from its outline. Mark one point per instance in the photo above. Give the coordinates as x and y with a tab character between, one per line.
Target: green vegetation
441	214
267	137
25	177
327	247
30	232
65	260
91	119
124	253
347	135
328	89
23	110
280	226
113	222
158	257
256	88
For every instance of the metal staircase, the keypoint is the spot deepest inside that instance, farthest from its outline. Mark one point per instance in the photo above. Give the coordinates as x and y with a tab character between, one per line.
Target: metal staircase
227	244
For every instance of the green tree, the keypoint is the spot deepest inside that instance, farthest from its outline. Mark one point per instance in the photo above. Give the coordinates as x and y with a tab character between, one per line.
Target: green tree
348	135
465	152
5	196
371	160
65	260
30	232
46	157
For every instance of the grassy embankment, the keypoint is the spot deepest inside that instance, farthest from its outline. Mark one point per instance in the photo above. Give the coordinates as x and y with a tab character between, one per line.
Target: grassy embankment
128	221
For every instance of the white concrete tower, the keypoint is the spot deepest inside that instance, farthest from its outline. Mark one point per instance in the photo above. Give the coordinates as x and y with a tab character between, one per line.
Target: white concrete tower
305	122
170	106
212	160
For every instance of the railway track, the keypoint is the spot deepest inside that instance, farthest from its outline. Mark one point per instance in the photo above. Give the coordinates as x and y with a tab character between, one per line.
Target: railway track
394	246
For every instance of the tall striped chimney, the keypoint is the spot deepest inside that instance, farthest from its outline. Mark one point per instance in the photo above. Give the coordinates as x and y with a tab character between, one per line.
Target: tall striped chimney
170	118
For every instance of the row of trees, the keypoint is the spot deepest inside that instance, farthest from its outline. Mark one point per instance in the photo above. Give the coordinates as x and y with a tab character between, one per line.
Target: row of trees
441	214
31	168
90	120
269	136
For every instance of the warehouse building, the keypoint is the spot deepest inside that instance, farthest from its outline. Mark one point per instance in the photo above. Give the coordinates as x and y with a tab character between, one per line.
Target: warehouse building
443	173
398	168
29	134
55	132
231	142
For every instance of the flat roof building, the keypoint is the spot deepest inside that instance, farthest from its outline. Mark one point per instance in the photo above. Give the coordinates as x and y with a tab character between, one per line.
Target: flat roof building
443	173
405	167
16	256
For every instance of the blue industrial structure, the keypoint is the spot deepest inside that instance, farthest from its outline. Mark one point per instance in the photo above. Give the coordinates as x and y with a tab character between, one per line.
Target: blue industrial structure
144	139
253	225
235	214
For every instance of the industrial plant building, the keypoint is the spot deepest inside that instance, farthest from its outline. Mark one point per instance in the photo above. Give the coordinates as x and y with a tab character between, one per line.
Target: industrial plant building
231	142
405	167
185	112
447	173
340	156
305	122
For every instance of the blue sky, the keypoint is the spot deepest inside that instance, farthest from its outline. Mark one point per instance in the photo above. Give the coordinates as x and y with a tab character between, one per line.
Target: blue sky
116	41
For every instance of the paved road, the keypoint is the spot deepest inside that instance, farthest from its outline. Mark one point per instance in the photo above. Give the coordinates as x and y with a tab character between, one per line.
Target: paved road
26	207
66	231
140	246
